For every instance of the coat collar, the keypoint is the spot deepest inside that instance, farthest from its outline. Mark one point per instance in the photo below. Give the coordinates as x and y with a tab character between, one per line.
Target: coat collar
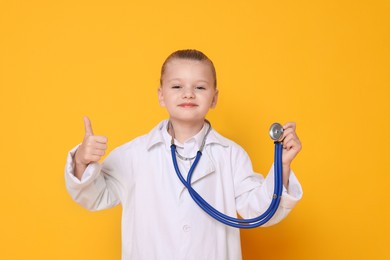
158	136
205	167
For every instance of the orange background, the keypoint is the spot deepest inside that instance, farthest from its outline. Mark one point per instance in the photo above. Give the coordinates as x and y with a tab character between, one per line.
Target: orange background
323	64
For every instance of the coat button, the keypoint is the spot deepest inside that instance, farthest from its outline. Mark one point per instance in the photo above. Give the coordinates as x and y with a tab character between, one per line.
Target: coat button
186	228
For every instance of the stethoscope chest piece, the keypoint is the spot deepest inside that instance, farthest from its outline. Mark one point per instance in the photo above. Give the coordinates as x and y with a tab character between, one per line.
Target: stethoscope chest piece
276	131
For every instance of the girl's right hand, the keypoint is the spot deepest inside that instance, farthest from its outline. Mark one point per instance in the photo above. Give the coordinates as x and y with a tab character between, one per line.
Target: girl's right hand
92	148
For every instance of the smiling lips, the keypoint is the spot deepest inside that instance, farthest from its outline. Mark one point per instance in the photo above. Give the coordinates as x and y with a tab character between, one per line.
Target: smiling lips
187	105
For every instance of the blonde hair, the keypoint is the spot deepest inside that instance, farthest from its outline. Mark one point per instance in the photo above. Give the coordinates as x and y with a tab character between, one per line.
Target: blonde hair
189	54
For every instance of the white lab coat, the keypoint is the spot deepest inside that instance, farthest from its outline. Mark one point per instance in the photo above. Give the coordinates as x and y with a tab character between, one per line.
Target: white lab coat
160	220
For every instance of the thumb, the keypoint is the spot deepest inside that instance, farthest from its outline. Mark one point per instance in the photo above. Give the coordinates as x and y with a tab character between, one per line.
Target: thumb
88	126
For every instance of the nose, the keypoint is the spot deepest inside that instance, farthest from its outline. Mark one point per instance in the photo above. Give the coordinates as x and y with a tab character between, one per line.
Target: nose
188	93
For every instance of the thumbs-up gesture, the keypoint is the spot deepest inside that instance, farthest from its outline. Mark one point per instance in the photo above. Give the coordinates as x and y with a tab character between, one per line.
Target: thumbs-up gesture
92	148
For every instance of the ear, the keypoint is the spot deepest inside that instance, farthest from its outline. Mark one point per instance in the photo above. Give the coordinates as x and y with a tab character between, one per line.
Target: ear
160	96
215	99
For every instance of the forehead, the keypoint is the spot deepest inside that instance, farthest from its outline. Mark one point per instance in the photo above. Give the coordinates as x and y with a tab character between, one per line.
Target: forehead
188	69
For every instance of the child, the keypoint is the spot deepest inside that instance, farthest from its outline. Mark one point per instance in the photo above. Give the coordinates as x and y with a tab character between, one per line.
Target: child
160	220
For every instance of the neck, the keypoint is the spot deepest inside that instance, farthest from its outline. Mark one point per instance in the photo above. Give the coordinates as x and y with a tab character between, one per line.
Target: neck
185	130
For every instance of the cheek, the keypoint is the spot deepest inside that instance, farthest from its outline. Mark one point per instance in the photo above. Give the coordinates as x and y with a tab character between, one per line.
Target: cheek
169	100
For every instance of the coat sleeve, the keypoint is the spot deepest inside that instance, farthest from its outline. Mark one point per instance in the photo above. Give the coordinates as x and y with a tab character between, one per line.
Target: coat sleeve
254	193
99	187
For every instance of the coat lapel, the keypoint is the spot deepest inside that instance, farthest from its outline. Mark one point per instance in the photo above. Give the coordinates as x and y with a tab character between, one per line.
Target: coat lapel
204	168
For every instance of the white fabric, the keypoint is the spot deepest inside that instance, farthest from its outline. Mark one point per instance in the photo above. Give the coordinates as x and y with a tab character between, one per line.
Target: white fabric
160	220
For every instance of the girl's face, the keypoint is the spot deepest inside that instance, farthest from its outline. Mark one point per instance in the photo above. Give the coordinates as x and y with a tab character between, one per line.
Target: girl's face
187	90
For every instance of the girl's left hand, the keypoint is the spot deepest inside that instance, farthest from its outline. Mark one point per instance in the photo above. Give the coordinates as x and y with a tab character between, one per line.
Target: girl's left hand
291	143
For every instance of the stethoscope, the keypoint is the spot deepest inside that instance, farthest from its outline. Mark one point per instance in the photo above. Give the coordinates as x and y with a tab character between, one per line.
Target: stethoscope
276	132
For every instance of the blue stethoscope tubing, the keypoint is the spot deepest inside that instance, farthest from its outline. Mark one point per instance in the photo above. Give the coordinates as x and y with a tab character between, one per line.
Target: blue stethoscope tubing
225	219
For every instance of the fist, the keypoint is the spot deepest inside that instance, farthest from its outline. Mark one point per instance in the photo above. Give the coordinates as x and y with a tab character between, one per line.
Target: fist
92	148
291	143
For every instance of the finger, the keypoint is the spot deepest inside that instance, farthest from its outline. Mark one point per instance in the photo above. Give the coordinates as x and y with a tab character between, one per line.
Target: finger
287	131
100	139
91	146
96	139
94	158
293	144
290	125
287	139
98	152
100	146
87	126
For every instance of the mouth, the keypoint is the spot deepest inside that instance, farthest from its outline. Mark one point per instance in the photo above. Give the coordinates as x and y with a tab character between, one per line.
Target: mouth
187	105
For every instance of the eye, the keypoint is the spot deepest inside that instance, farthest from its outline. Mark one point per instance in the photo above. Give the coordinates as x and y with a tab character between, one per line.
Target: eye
176	86
200	87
